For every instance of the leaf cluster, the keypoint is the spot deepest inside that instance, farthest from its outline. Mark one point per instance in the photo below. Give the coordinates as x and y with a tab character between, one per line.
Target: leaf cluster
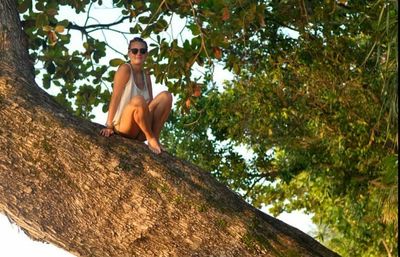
317	113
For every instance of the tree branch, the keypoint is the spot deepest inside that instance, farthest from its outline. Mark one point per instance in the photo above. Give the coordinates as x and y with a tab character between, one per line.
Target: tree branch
252	186
84	29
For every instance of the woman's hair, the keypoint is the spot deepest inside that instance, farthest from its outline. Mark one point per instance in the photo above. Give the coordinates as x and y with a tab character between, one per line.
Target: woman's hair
137	39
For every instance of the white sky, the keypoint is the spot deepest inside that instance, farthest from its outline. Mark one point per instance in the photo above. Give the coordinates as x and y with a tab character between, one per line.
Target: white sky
13	241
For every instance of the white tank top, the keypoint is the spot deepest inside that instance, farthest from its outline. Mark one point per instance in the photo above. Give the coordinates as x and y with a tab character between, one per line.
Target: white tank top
130	91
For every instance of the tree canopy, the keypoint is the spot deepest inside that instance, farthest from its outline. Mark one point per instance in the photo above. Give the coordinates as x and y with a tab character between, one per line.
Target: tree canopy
314	98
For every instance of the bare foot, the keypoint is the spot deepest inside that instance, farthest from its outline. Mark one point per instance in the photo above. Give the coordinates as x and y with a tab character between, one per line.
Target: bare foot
163	148
154	145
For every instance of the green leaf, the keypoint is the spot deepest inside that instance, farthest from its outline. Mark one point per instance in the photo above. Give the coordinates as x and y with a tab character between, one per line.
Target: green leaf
41	20
147	31
39	6
105	108
63	23
116	62
136	29
144	19
160	26
51	68
24	5
46	81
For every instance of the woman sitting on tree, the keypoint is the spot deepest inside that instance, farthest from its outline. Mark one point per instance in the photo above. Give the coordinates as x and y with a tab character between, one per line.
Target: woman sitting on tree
133	112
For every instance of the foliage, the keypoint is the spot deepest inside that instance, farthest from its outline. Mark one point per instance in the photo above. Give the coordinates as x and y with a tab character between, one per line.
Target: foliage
314	99
318	113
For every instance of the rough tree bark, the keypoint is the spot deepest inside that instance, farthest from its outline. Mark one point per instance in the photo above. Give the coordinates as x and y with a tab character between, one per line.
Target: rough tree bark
62	183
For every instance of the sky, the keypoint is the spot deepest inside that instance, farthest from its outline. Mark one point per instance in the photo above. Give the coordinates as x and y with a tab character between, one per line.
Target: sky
13	241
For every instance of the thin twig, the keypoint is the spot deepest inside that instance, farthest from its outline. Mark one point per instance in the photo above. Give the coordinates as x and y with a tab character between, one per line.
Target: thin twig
110	29
192	123
88	13
154	15
252	186
303	10
170	22
203	44
180	33
84	28
387	248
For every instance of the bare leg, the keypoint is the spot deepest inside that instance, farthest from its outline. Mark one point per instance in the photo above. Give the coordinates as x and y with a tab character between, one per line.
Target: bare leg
136	118
141	116
160	108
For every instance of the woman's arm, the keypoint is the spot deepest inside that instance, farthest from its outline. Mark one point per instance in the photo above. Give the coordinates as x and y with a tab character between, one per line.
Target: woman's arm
120	79
149	86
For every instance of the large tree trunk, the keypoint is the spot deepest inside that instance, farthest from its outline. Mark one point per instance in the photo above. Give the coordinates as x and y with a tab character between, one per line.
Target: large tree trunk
93	196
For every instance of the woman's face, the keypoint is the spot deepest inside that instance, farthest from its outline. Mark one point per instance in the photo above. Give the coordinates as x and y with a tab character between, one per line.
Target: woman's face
137	54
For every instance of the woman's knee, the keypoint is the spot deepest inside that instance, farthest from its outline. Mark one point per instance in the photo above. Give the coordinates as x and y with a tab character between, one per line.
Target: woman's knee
166	96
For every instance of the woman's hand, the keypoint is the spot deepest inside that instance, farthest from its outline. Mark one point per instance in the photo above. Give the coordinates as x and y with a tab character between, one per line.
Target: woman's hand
106	132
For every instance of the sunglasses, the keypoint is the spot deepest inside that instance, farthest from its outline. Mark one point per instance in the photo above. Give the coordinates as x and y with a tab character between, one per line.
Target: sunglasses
136	50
